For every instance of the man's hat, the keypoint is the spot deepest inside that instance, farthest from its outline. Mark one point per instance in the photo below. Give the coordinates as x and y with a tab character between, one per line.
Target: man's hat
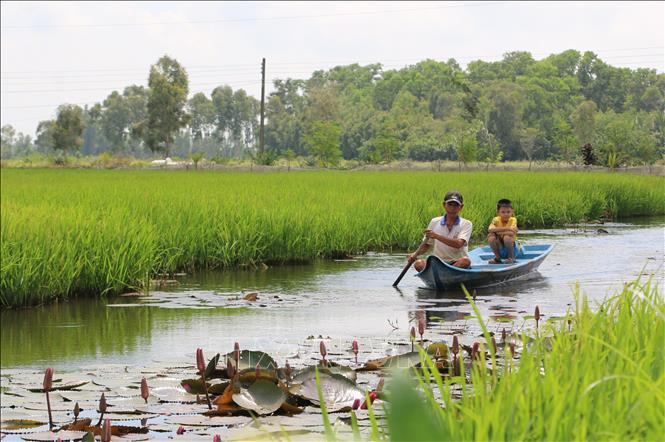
453	196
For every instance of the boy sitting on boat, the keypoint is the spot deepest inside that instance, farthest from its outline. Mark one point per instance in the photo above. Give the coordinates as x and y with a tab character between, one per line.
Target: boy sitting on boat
502	235
449	233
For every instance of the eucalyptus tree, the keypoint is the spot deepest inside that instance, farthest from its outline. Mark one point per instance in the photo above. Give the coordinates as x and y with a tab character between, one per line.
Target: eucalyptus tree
68	128
168	87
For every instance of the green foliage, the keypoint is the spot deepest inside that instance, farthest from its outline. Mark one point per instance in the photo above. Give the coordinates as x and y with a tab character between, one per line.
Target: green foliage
322	140
89	232
68	128
167	97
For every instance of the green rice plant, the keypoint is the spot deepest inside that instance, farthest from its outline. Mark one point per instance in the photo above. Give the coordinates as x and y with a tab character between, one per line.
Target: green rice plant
67	233
601	380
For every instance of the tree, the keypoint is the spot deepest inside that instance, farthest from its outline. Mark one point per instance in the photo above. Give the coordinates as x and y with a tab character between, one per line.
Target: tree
115	121
506	101
488	147
565	141
528	138
462	136
68	128
167	98
584	121
322	140
44	140
7	141
202	122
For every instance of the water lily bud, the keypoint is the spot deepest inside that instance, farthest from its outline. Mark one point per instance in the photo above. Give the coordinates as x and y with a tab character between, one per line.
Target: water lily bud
48	379
102	404
230	369
474	350
217	438
354	346
322	349
413	333
236	352
503	335
421	327
455	345
536	314
144	390
200	361
180	430
77	410
512	348
106	430
356	404
372	397
494	347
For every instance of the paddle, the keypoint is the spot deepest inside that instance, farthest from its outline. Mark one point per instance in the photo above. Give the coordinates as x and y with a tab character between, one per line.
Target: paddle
401	275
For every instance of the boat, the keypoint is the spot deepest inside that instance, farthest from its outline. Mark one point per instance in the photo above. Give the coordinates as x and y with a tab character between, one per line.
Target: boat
440	275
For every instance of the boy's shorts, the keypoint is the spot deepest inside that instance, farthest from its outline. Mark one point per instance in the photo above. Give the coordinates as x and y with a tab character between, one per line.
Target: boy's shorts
503	251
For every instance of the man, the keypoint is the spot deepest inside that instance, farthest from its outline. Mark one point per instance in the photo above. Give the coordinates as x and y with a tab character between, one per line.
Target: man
449	233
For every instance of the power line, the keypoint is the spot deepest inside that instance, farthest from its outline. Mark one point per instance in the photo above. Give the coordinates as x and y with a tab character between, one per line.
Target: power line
250	19
250	67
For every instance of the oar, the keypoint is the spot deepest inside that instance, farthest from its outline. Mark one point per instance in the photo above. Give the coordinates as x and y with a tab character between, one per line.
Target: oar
401	275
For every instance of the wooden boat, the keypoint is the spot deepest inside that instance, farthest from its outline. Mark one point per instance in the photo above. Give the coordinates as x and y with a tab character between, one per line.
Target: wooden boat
440	275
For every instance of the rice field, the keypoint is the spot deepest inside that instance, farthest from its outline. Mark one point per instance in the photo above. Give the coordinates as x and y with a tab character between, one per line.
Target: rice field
68	233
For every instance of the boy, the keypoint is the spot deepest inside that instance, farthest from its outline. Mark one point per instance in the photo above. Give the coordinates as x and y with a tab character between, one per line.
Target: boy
503	233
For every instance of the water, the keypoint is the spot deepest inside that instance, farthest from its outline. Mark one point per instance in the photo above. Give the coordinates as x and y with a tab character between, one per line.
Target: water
337	300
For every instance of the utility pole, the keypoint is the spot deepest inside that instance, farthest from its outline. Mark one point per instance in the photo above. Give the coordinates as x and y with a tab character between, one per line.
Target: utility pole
263	99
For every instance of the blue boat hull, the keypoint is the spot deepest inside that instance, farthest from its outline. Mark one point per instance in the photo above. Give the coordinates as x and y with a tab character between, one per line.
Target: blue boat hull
440	275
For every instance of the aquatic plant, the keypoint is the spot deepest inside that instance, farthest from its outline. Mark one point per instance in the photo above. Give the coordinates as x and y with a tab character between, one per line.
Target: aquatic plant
201	365
603	379
145	392
48	384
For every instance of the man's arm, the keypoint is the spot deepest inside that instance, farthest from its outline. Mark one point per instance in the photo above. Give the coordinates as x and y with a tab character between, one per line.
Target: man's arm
456	243
421	249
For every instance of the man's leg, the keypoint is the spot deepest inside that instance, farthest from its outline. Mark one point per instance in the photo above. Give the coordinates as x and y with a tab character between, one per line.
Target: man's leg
463	263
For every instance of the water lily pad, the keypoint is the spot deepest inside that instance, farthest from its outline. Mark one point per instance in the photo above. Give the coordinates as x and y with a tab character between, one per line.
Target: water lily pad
171	408
51	436
57	387
205	421
263	397
17	424
251	358
403	361
128	416
308	373
338	391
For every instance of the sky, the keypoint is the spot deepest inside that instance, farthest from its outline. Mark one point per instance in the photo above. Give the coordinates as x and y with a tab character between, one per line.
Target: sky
79	52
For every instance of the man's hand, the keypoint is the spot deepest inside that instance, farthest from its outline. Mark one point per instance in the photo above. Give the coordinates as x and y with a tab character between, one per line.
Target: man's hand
431	234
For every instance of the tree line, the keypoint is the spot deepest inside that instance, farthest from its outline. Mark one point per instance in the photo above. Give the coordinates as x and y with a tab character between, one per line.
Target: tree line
517	108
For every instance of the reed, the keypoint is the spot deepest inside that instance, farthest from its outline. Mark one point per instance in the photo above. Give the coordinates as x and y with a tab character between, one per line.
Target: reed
67	233
602	379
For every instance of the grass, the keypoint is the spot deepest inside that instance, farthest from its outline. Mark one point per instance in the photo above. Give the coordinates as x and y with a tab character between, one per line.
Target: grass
601	380
66	233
